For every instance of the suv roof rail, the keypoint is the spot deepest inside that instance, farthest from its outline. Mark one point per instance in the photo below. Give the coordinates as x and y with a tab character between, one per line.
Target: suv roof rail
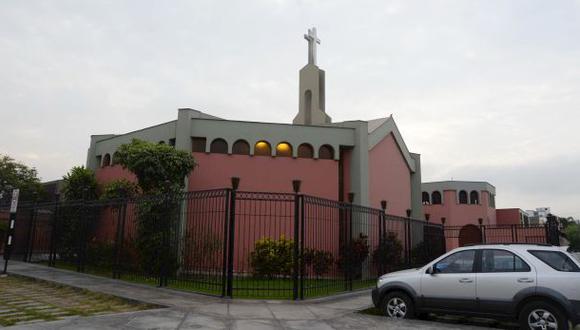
484	244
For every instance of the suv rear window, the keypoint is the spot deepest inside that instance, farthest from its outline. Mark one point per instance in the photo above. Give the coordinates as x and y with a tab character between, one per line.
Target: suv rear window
557	260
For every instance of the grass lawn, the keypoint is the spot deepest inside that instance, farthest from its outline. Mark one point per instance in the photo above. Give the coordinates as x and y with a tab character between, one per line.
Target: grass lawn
243	286
24	301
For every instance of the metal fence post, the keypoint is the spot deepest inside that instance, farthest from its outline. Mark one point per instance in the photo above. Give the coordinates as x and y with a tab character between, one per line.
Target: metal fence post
382	233
119	239
54	233
31	232
302	230
231	237
408	239
227	211
296	252
82	240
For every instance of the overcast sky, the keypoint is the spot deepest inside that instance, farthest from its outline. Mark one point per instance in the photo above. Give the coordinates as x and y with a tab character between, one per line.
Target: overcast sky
484	90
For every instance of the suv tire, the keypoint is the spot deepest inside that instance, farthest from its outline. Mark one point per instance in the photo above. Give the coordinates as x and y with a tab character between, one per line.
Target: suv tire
539	312
398	305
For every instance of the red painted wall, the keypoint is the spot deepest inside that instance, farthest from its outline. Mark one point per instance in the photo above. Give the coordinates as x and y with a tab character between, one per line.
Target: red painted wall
461	214
508	216
389	177
258	173
110	173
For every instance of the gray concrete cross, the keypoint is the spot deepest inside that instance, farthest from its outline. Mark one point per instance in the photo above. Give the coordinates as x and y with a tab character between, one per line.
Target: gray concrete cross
312	41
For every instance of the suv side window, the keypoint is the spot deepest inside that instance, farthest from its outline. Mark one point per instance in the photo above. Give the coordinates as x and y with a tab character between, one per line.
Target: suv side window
460	262
502	261
557	260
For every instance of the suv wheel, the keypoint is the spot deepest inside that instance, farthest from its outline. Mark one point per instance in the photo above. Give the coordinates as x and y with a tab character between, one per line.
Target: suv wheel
398	305
539	315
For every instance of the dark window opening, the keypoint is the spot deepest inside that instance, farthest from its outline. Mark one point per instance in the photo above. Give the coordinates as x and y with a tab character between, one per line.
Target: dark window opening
305	150
198	144
463	197
425	198
473	197
326	152
106	160
241	147
436	198
219	146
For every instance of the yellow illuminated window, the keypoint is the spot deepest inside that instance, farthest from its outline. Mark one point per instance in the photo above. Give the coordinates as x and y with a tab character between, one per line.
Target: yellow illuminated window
284	150
262	148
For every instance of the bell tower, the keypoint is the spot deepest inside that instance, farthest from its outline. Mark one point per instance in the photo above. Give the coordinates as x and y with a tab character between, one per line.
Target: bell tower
312	91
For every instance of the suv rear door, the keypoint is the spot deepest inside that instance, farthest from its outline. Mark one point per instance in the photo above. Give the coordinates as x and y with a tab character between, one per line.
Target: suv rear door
452	287
501	274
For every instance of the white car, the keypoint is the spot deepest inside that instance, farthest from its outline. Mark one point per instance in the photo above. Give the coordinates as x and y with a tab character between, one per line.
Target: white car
538	285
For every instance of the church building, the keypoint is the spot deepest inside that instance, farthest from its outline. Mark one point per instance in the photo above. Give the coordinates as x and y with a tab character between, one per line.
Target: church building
366	159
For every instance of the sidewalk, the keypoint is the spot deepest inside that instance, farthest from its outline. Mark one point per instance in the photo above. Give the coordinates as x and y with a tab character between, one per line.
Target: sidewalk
190	311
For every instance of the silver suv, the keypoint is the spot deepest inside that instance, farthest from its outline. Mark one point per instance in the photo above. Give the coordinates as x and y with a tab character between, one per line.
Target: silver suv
538	285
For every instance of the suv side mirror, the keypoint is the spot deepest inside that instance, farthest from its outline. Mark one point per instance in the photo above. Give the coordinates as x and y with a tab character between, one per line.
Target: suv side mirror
433	270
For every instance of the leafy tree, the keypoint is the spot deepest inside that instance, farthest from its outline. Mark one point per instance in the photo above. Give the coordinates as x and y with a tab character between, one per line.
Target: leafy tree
573	235
159	167
120	188
14	174
80	183
160	170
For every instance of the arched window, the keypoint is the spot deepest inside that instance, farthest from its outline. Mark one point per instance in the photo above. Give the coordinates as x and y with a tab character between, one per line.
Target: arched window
436	198
473	197
425	198
219	146
241	147
198	144
115	160
326	152
463	197
106	160
284	149
262	148
305	151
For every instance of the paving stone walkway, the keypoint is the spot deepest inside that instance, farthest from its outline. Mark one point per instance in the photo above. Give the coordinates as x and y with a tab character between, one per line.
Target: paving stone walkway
24	301
193	311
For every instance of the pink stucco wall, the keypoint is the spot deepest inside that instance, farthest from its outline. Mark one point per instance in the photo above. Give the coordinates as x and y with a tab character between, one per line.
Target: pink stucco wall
389	177
257	173
110	173
461	214
508	216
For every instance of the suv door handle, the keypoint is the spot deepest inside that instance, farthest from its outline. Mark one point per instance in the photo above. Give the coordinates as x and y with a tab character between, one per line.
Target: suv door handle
465	280
525	280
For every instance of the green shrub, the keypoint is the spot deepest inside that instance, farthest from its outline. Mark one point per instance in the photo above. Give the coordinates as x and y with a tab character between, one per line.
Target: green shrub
573	235
100	254
319	260
272	258
120	188
388	255
352	255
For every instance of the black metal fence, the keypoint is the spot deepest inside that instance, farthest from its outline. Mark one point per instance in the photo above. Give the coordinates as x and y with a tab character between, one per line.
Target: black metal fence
227	243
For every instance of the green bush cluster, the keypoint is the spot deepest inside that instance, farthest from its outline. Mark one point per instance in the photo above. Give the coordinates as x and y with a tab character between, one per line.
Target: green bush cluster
319	260
388	255
573	235
272	258
352	255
